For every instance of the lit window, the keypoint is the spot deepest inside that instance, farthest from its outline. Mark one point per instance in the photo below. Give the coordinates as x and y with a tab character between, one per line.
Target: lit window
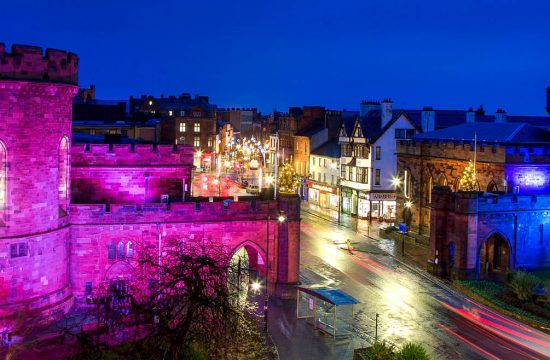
129	249
197	141
210	141
377	154
197	127
377	177
150	102
120	250
170	113
182	127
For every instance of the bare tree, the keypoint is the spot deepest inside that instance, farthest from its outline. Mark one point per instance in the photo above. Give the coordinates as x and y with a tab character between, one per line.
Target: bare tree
183	304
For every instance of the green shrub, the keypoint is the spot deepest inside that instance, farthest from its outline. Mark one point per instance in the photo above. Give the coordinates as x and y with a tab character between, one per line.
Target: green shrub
379	351
412	351
522	285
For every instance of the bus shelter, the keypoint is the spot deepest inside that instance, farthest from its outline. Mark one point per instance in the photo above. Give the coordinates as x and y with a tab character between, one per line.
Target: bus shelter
327	309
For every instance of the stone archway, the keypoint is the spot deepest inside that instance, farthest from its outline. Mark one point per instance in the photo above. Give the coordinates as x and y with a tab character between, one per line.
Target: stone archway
494	257
247	265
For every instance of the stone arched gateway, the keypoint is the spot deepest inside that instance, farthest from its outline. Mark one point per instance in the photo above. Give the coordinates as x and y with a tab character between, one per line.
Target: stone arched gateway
494	258
225	228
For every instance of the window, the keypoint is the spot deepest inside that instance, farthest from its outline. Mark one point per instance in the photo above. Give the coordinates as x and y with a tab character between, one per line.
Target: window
210	141
111	250
197	114
18	250
404	133
120	249
324	162
63	172
170	113
197	127
182	127
129	249
377	154
182	113
377	177
332	179
88	287
324	178
197	141
313	160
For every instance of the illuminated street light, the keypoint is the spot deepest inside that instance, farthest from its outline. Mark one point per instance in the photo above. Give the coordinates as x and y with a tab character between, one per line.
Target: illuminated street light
408	204
396	181
269	179
256	286
281	218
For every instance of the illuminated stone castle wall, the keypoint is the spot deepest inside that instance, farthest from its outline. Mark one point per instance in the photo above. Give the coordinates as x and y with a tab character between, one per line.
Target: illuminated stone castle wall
35	133
54	244
468	222
500	168
115	173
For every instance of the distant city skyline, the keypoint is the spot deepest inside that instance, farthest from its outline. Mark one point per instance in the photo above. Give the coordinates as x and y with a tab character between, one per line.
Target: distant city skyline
267	55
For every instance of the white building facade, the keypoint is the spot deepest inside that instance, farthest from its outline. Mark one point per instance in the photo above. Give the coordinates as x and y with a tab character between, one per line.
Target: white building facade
324	172
368	161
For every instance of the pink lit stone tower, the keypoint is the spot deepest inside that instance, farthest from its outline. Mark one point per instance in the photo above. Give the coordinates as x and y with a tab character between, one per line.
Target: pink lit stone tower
36	92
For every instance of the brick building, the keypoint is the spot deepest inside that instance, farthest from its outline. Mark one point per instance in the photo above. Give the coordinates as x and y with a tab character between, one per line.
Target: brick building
512	170
74	218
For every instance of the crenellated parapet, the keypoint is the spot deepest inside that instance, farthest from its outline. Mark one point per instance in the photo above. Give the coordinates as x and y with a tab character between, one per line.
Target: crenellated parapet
32	63
131	155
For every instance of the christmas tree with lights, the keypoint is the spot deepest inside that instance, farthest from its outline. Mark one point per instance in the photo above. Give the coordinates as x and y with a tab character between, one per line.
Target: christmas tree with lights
288	181
468	180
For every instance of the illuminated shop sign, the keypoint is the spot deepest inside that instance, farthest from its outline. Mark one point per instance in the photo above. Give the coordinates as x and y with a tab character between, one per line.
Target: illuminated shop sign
382	196
321	187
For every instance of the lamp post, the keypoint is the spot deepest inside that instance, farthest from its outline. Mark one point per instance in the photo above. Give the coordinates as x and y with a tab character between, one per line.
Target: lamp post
217	181
280	218
98	301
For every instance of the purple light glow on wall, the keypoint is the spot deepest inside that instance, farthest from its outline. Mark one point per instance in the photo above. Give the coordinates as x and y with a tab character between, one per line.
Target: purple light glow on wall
533	179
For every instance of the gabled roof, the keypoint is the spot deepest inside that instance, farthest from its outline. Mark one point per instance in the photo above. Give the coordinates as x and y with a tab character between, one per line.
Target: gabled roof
490	132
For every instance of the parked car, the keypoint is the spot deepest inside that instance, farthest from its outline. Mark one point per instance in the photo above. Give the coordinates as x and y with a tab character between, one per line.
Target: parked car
252	189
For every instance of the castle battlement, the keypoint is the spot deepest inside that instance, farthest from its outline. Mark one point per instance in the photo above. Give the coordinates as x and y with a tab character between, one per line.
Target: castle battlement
129	154
485	202
31	63
197	212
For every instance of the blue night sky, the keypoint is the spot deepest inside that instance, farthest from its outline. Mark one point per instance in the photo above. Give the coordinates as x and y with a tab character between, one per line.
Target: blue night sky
447	54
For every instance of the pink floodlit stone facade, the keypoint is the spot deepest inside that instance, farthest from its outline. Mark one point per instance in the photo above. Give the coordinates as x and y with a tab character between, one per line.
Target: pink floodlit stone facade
61	206
35	129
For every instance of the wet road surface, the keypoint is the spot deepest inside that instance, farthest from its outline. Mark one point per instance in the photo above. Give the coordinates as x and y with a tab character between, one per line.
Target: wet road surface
412	305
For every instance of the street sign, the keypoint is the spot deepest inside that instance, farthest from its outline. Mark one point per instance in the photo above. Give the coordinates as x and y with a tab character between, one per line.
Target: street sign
403	227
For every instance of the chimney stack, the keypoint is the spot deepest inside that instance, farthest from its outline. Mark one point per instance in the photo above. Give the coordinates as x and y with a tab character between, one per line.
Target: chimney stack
500	116
428	119
470	115
386	112
367	106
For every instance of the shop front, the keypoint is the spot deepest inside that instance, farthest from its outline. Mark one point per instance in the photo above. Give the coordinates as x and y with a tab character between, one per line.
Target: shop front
323	195
349	201
363	205
383	206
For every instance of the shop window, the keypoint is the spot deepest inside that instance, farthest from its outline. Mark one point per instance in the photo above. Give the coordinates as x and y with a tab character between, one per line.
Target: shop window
120	249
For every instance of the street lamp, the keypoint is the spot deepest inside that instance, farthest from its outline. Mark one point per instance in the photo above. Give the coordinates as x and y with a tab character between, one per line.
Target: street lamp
217	181
98	301
280	218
